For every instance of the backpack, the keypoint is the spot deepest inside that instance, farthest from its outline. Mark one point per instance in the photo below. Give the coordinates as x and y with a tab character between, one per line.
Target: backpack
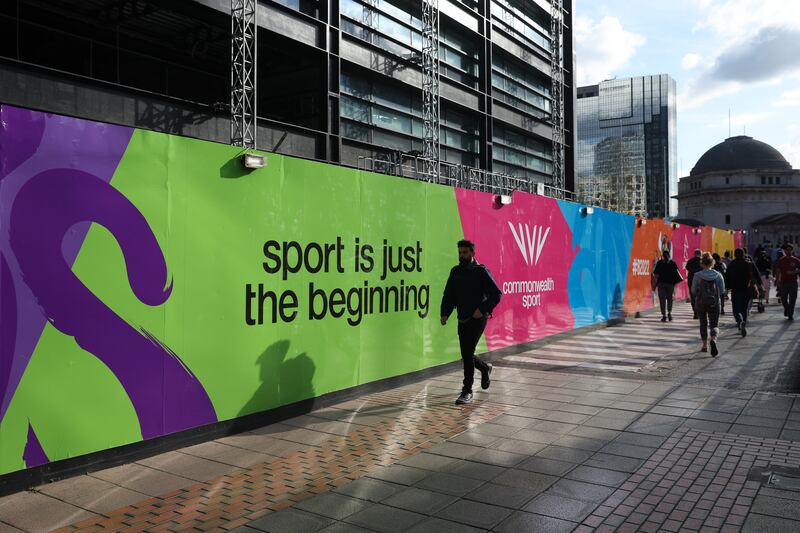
709	294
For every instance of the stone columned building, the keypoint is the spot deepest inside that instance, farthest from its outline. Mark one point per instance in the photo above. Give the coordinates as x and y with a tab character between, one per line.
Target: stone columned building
743	183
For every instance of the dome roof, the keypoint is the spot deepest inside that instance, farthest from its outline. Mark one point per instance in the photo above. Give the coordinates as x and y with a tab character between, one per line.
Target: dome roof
740	153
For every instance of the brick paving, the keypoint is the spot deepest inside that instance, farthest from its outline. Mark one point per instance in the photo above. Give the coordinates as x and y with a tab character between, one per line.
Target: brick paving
229	501
696	481
542	451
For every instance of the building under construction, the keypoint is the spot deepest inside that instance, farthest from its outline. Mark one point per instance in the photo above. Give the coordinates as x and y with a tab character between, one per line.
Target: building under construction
456	85
626	145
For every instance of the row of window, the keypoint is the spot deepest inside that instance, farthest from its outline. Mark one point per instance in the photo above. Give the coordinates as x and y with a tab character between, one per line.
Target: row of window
518	19
765	180
389	116
457	52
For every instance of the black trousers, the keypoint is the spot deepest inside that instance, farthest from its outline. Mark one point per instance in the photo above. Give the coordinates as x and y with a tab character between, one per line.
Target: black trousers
665	294
709	319
469	333
789	293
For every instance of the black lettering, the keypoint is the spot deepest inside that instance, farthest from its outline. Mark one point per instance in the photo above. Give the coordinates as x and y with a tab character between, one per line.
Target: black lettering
354	308
419	257
312	307
389	291
367	253
249	294
409	259
337	303
262	296
271	256
339	255
295	266
385	260
312	246
288	302
423	300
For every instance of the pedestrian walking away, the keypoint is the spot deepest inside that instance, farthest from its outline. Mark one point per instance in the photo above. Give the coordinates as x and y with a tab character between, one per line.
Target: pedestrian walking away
757	290
693	266
473	293
764	265
777	273
788	268
708	285
726	259
739	279
666	276
720	267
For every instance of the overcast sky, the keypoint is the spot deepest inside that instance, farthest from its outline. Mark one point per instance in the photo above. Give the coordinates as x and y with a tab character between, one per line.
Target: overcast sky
737	54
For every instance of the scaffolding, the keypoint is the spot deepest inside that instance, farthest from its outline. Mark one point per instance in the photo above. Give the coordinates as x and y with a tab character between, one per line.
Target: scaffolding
430	87
455	175
243	73
557	90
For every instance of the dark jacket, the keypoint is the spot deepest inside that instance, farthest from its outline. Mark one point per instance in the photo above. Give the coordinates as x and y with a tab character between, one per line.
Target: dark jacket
693	266
469	287
739	275
764	265
667	272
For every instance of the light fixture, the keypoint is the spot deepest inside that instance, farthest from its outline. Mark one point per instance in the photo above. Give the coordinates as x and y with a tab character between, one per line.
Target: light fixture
254	161
502	199
641	221
675	225
697	231
587	210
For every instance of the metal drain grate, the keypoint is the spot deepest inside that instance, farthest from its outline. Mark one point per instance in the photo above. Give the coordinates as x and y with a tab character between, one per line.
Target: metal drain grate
776	477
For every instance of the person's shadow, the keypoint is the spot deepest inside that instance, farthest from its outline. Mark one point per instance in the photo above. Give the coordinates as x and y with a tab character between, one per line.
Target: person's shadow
283	381
617	303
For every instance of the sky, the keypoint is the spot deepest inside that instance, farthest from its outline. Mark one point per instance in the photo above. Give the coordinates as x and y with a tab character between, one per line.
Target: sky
742	55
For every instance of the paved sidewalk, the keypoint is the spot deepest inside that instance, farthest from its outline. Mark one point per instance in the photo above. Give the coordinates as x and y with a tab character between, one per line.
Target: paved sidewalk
543	451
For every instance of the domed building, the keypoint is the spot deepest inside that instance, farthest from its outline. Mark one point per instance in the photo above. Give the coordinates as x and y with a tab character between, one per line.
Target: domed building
743	183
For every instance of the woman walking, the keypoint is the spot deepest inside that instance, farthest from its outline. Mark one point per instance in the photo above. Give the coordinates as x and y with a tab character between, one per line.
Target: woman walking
708	286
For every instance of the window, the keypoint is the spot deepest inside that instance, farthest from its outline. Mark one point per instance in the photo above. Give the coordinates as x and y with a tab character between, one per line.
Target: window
770	180
777	180
763	180
727	180
727	219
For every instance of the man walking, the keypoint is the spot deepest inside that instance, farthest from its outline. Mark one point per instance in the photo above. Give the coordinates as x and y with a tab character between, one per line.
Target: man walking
740	282
471	290
693	266
667	276
788	267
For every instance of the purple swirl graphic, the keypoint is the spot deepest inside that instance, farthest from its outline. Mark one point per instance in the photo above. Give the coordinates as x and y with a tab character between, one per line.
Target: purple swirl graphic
166	395
34	454
8	321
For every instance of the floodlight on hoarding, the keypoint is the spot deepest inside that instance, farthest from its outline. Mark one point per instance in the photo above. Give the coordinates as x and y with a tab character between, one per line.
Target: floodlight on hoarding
253	161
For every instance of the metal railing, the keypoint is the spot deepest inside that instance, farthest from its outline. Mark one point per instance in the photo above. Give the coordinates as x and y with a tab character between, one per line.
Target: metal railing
455	175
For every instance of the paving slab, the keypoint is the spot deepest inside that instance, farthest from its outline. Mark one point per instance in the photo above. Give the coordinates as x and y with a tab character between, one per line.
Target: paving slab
143	479
35	512
92	494
385	519
290	521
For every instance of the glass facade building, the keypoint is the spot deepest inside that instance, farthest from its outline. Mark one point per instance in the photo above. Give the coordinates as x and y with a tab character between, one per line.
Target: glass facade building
626	133
337	80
